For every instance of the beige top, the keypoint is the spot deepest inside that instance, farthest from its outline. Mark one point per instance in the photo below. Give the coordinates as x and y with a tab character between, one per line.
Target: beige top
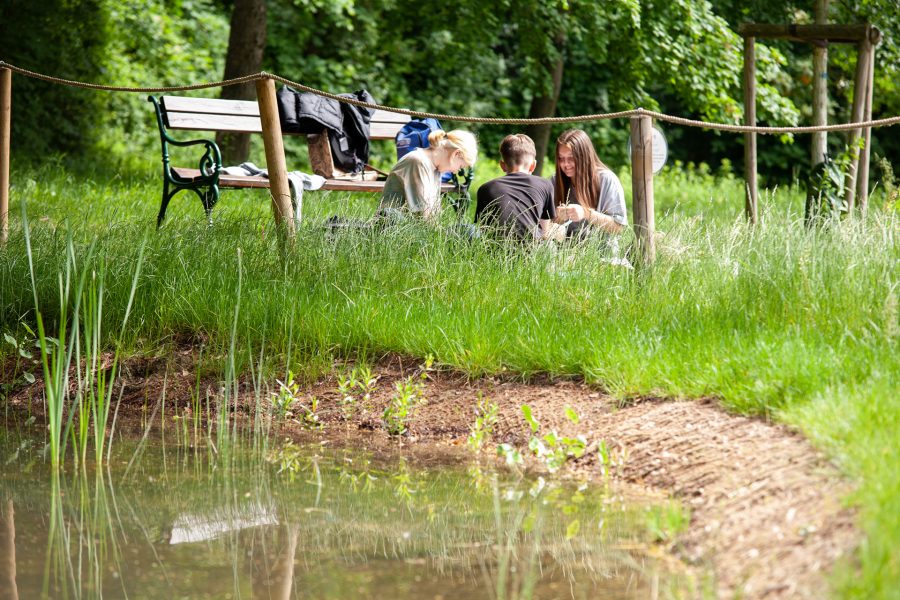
415	183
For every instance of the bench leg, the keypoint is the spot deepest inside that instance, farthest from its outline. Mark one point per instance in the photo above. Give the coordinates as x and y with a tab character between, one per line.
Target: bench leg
166	196
209	199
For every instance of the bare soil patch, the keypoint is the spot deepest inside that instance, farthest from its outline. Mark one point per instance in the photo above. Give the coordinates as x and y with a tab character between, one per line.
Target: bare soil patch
766	511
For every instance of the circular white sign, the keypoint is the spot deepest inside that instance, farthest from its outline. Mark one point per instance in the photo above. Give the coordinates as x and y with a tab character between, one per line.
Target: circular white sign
660	149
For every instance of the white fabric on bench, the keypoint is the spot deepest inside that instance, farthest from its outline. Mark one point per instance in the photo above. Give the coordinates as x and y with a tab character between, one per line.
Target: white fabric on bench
297	181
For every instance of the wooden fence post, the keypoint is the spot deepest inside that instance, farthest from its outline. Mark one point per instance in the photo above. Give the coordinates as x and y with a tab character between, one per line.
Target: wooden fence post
752	189
5	122
274	144
820	87
860	87
862	174
642	189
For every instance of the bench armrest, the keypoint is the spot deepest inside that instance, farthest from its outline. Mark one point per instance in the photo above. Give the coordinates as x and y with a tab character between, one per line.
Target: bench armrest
210	163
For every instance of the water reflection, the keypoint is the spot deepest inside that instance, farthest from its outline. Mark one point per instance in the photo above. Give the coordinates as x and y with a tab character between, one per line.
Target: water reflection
8	551
345	526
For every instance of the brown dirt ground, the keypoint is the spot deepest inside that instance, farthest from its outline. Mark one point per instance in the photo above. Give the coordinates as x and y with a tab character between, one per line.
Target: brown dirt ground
766	511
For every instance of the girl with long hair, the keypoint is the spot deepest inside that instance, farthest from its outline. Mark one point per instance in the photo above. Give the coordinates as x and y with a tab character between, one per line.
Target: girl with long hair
586	192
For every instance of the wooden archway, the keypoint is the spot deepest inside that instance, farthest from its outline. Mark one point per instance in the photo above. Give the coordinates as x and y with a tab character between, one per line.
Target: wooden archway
866	37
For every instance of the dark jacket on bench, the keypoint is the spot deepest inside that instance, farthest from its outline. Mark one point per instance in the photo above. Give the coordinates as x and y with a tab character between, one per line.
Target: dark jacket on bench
347	124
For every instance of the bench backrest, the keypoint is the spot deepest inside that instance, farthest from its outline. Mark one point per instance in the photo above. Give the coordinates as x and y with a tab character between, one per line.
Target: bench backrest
242	116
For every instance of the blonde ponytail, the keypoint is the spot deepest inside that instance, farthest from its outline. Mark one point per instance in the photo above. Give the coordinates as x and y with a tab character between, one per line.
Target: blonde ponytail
457	139
436	137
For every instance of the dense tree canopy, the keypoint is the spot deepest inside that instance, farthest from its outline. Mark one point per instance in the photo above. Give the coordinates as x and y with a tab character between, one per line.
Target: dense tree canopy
468	57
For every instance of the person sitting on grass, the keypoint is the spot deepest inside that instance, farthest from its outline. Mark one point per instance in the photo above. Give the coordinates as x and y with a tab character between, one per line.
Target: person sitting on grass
588	195
518	204
414	184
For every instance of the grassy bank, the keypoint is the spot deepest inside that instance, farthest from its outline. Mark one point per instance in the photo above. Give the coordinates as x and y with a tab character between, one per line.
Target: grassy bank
777	320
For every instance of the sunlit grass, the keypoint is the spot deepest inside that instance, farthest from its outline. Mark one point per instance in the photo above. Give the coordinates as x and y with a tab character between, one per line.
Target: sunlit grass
776	319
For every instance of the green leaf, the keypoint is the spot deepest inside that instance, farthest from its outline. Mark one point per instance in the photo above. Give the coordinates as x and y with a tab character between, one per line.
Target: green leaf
28	377
572	529
529	417
11	340
572	415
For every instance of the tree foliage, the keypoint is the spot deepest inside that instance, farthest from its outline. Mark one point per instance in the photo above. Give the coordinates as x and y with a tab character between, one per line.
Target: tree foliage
470	57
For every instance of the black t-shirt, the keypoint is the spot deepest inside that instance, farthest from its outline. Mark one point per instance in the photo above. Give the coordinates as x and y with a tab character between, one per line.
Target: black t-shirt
517	202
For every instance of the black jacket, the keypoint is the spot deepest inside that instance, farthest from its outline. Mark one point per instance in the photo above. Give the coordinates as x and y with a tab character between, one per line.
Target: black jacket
347	124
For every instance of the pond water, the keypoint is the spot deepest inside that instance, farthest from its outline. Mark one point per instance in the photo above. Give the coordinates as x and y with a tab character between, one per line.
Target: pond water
299	521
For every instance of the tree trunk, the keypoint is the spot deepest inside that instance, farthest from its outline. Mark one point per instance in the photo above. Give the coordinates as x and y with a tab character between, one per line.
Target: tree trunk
544	105
246	44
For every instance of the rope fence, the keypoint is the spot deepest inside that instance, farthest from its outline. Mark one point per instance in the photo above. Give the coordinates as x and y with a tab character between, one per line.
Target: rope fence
637	112
641	142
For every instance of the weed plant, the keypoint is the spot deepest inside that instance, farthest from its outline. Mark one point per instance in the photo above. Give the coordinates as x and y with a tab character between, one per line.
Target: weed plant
485	420
798	325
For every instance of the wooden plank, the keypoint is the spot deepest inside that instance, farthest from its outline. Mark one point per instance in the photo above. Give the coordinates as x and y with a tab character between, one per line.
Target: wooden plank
752	192
235	181
204	122
274	145
384	131
215	106
241	116
642	189
207	122
212	106
248	124
807	33
383	116
335	185
320	160
5	122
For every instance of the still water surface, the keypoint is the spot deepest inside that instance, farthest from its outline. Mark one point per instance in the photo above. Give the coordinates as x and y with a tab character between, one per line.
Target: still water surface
305	522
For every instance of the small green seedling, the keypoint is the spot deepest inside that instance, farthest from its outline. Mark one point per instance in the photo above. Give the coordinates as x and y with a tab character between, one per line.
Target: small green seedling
485	419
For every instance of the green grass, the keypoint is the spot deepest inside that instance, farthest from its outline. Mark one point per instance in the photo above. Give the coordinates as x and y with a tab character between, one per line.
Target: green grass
799	325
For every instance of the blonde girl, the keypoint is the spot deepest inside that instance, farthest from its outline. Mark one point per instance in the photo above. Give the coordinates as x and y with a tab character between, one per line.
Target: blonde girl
414	183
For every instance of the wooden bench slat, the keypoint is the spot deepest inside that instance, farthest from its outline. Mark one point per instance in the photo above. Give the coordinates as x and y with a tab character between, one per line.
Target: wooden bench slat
250	108
206	122
383	116
384	131
211	106
249	124
335	185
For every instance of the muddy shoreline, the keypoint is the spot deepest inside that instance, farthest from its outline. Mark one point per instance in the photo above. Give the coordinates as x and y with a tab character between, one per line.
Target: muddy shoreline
766	508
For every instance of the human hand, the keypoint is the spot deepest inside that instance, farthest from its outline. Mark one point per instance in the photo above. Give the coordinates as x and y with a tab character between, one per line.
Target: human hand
555	232
575	212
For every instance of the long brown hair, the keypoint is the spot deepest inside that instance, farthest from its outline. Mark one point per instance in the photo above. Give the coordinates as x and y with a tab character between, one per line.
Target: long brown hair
584	188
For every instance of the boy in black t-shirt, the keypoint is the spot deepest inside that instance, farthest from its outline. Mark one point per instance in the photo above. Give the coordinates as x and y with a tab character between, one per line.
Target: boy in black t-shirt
518	204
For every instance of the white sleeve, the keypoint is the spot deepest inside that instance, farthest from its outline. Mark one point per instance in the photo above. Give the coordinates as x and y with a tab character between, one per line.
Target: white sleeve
612	197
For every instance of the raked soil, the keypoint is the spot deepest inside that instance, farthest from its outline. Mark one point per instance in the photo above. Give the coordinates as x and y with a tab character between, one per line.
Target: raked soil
766	509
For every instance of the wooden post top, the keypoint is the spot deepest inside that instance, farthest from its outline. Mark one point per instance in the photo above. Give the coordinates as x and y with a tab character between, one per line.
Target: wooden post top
812	33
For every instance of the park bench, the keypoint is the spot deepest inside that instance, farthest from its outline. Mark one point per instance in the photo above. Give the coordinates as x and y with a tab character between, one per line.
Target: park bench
242	116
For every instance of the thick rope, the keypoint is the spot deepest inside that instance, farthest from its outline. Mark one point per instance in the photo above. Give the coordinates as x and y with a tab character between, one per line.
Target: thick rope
638	112
119	88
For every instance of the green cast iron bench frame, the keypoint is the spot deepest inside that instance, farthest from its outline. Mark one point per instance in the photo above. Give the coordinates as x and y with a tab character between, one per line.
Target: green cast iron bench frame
185	113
